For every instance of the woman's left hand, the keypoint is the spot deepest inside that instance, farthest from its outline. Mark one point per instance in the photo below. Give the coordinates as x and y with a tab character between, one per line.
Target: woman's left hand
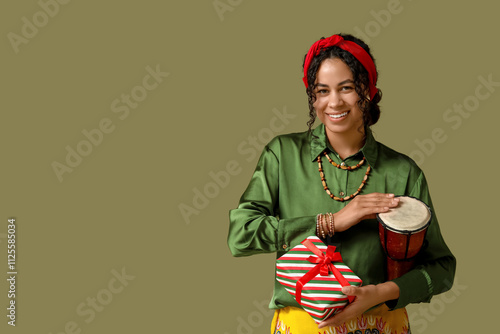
366	297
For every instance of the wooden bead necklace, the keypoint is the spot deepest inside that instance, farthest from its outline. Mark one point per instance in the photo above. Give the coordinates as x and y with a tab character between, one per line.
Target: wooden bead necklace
342	166
323	180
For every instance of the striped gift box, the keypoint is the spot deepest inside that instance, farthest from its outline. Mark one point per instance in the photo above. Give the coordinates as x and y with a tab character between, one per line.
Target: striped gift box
314	274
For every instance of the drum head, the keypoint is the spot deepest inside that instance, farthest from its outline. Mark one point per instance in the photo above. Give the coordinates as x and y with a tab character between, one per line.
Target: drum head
411	215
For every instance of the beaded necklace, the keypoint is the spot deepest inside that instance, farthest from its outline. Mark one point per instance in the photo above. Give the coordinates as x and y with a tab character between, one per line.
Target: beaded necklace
342	166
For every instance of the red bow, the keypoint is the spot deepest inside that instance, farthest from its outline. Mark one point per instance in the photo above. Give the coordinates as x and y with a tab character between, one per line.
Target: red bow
323	267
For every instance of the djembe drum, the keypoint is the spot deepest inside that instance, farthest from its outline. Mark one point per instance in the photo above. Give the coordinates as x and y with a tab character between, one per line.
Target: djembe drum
402	232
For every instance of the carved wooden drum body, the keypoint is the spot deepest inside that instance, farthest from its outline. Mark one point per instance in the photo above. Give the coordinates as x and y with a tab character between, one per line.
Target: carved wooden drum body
402	232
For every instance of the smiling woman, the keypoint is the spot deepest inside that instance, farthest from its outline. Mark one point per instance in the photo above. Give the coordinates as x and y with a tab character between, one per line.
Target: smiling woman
288	199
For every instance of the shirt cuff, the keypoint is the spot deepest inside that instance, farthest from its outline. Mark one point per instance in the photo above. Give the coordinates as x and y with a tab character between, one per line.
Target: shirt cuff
292	231
414	287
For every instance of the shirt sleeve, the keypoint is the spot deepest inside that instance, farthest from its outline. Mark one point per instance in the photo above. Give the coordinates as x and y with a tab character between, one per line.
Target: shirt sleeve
435	265
255	226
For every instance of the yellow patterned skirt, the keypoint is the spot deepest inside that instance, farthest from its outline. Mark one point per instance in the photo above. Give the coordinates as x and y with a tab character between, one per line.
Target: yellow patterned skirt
293	320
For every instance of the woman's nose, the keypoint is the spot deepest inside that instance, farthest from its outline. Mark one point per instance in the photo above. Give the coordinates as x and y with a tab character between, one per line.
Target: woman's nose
335	100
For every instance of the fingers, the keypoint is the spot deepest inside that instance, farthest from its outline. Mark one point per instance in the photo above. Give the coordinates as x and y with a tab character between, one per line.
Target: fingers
350	290
354	309
363	207
379	198
376	202
388	203
345	315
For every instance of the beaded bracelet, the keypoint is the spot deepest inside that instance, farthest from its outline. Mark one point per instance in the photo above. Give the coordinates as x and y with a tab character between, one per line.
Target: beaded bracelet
320	230
331	231
324	226
317	224
325	222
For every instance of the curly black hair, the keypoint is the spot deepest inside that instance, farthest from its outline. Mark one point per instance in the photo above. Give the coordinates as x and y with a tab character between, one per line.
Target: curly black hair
369	108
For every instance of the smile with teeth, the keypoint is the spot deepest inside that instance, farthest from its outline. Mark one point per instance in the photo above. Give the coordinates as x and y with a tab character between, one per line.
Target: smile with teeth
338	115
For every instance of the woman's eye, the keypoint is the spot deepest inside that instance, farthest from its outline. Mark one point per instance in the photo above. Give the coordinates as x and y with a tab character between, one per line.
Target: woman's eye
347	88
322	91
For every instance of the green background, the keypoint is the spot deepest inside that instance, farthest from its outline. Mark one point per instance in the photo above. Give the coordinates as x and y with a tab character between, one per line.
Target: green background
120	206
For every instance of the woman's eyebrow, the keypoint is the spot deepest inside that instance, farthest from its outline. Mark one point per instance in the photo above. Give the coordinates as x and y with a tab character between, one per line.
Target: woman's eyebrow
339	84
345	81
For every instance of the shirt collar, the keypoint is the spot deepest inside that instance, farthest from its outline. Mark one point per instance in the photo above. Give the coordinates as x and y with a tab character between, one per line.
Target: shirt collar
319	143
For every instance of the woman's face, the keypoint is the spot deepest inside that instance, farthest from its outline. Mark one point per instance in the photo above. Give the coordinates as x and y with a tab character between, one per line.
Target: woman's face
336	99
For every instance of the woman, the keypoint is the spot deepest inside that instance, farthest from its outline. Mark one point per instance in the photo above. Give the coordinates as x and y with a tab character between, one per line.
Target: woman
296	184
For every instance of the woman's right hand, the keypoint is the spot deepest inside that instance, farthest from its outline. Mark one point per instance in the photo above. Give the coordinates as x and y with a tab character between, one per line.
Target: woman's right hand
363	207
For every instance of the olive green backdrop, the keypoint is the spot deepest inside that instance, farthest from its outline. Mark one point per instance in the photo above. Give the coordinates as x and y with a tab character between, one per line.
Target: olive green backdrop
130	128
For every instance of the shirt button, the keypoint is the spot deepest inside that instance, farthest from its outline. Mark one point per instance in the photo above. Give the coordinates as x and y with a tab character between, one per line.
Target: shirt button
285	246
341	193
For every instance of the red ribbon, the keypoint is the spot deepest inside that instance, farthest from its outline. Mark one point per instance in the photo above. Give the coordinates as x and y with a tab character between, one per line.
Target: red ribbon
357	51
323	267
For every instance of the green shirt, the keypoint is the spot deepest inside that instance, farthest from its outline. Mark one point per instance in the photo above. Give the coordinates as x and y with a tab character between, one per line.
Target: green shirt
279	207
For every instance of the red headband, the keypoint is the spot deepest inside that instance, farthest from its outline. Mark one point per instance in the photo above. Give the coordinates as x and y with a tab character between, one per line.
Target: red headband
357	51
